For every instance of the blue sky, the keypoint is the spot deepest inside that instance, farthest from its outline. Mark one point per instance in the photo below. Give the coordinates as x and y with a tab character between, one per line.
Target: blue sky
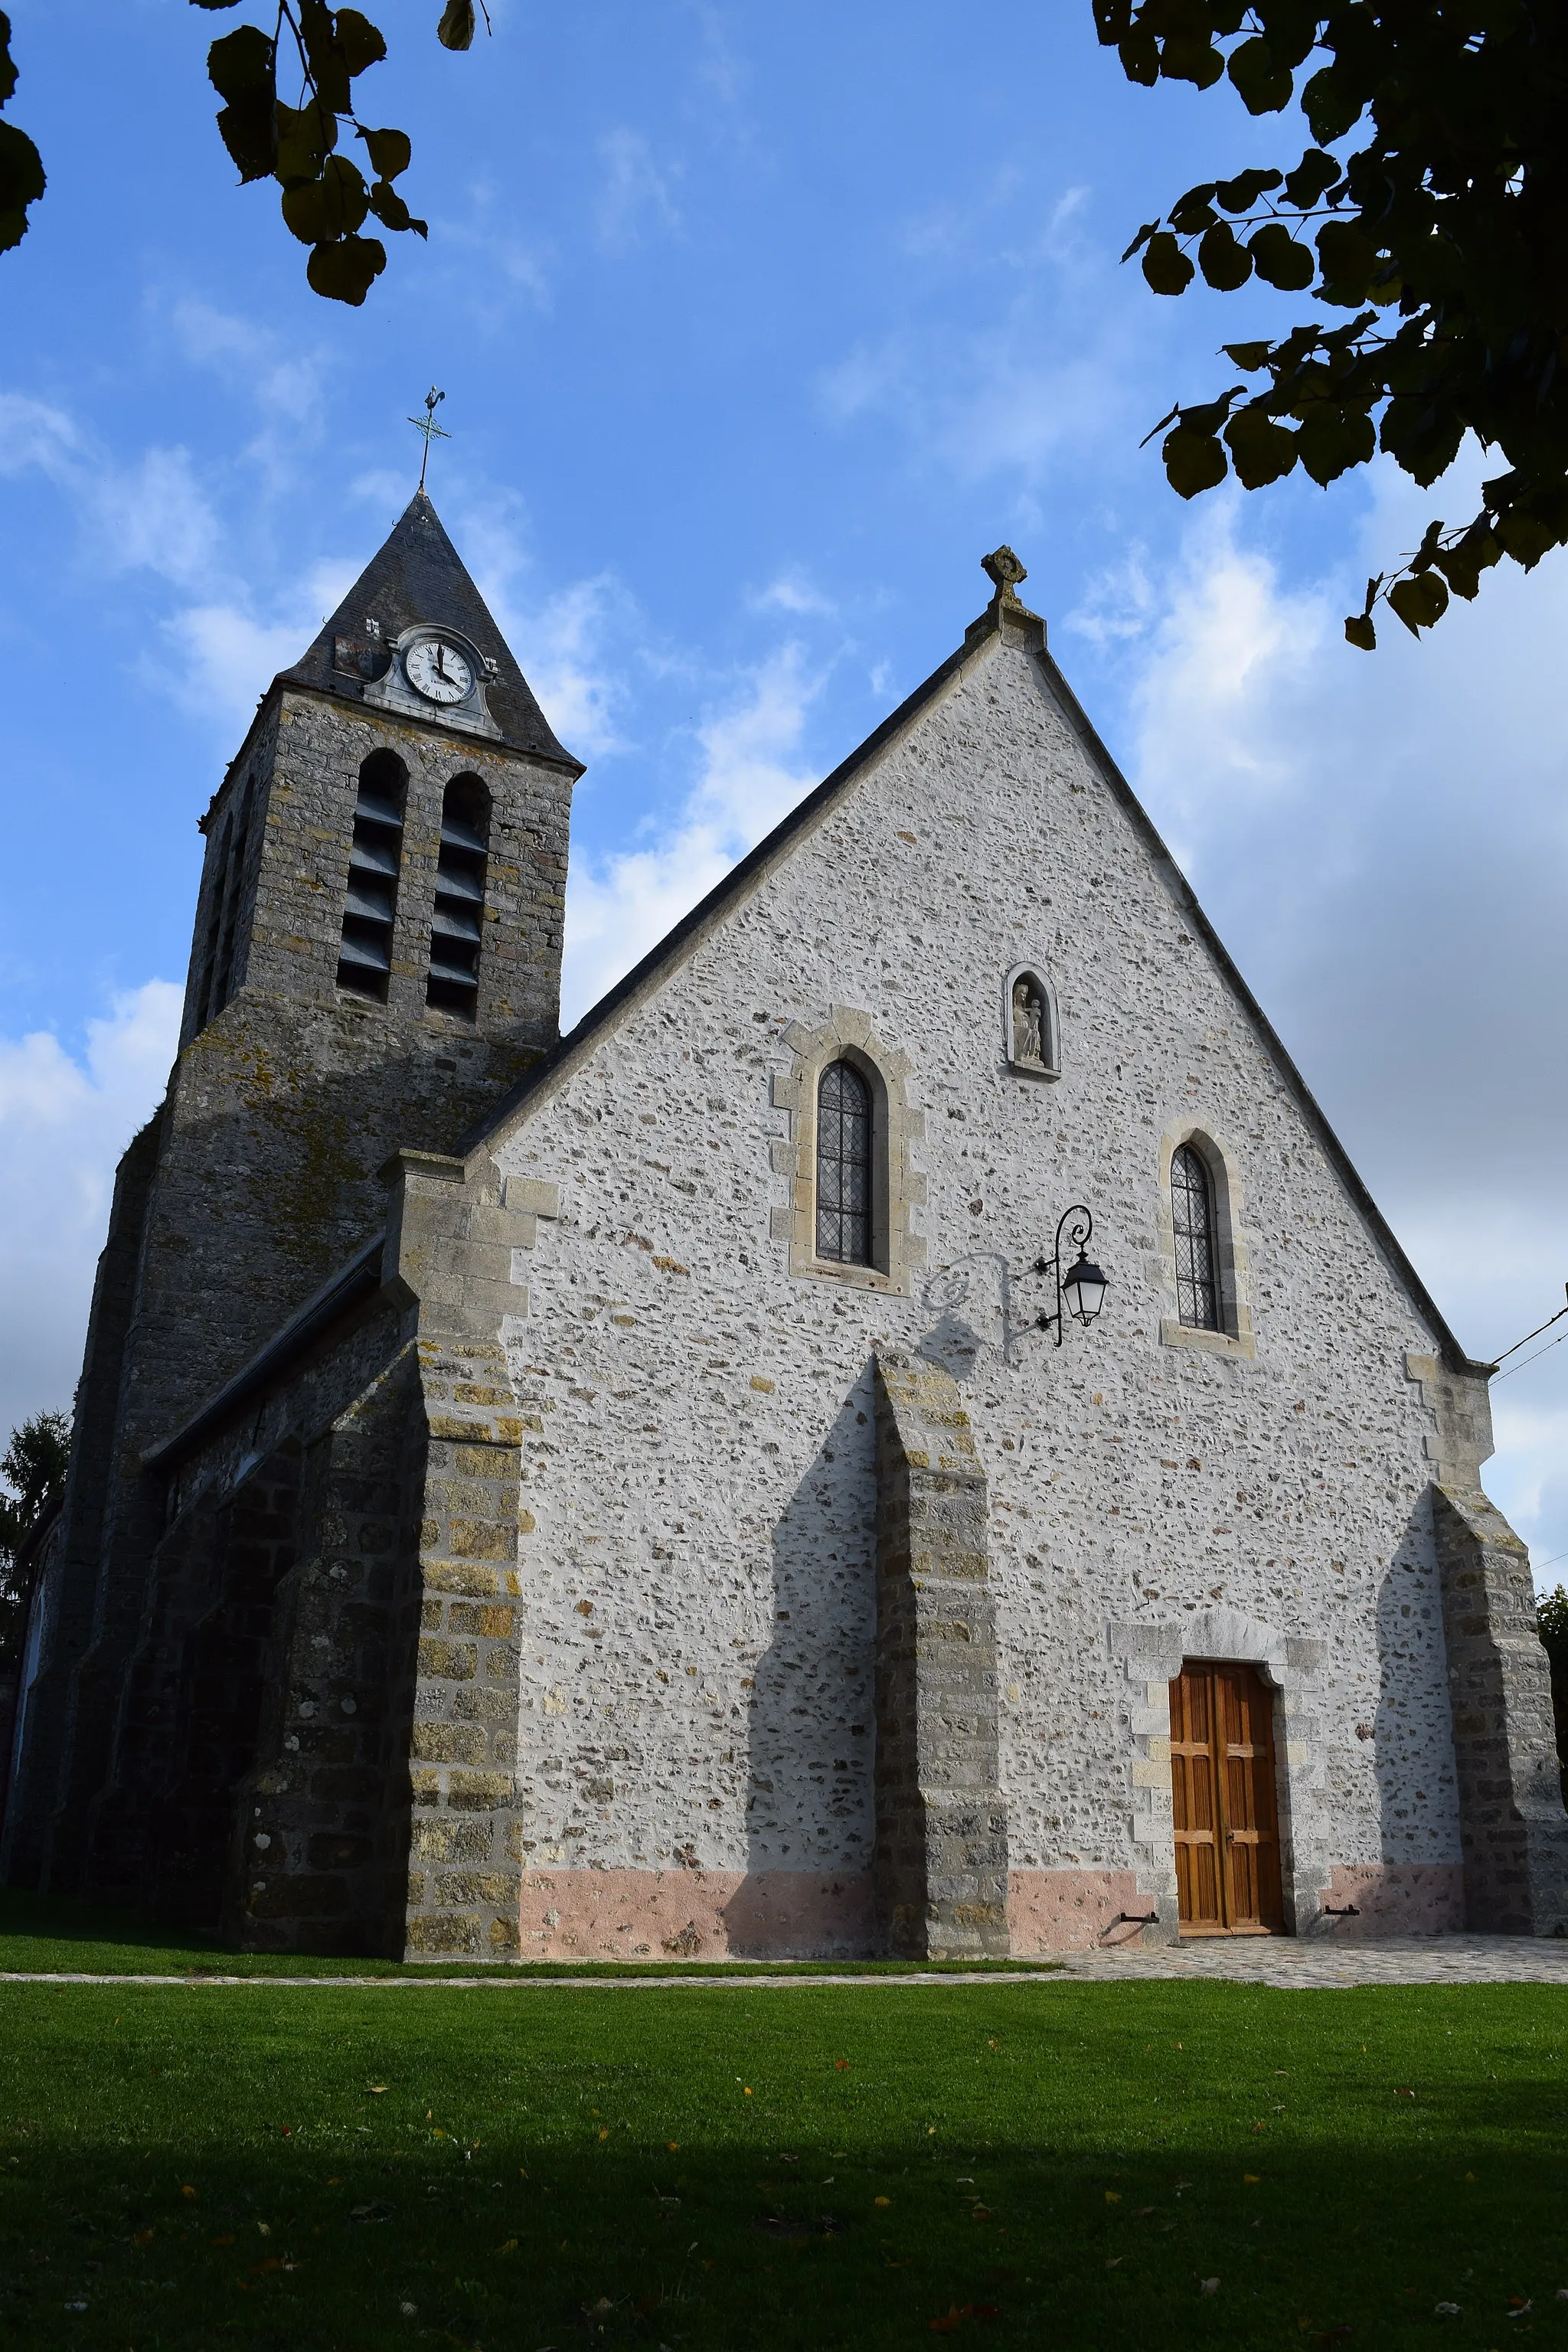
757	329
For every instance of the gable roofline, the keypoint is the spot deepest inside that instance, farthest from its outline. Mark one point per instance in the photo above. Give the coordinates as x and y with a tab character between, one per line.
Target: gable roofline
687	935
1004	621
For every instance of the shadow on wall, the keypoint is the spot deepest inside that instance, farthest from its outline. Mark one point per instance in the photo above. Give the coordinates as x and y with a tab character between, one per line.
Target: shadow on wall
811	1725
974	1305
1417	1886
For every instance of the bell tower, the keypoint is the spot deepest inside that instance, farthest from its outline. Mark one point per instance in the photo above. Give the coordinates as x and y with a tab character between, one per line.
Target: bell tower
376	957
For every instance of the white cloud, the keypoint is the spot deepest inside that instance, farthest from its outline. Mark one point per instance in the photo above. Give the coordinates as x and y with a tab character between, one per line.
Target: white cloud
219	658
792	592
562	650
618	910
633	196
282	380
151	515
63	1124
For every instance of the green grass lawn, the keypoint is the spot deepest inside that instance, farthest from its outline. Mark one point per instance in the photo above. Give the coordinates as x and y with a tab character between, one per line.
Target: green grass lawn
1047	2162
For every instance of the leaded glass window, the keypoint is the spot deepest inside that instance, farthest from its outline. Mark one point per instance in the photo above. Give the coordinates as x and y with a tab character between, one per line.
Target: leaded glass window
1191	1215
844	1166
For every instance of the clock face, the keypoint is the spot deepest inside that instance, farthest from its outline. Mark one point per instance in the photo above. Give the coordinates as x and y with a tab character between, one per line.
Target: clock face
435	669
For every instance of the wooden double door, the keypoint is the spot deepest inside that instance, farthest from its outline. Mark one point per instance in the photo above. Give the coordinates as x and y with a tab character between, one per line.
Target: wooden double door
1227	1816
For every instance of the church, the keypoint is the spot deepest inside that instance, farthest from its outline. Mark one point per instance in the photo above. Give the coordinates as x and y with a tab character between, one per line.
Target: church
903	1433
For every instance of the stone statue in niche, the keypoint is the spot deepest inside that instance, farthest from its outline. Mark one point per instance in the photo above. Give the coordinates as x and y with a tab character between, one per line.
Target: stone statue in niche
1029	1024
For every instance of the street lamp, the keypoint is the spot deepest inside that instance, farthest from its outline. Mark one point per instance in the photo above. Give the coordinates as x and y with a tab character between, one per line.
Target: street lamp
1082	1287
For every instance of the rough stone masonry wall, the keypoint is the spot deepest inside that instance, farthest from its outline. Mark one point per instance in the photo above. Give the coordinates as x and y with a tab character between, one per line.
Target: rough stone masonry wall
942	1819
695	1754
280	1112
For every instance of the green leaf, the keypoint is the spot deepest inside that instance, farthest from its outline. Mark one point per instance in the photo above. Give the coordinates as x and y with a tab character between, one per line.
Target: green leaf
1347	260
1140	55
239	66
345	272
1315	173
1360	632
1263	85
392	212
1223	258
1419	601
1240	196
1166	265
1421	436
1113	21
214	4
1333	104
1261	450
306	137
361	42
7	63
1195	211
1277	257
1193	461
1249	356
1524	536
1189	57
22	182
249	130
391	152
455	29
1149	229
1330	443
332	206
1463	564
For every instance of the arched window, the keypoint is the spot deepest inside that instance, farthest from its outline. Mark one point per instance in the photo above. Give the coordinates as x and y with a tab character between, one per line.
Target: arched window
844	1166
364	956
1193	1223
456	930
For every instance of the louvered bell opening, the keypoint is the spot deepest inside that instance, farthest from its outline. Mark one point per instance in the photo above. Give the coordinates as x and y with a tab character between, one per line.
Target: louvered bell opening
456	923
370	905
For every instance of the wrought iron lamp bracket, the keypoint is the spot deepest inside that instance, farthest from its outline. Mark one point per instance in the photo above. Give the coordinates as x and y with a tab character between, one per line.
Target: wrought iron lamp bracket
1077	1224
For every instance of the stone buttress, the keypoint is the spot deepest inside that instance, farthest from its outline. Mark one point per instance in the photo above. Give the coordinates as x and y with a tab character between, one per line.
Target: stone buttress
1512	1826
941	1823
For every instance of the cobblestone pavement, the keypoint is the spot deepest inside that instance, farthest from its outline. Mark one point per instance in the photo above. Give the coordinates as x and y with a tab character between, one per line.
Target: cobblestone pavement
1284	1961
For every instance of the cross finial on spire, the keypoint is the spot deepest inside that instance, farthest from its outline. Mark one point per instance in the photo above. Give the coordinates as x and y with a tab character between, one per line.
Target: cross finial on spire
428	426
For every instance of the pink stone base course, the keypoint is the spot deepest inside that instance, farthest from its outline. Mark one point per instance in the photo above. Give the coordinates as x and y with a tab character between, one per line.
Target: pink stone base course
1394	1898
776	1915
1073	1910
697	1915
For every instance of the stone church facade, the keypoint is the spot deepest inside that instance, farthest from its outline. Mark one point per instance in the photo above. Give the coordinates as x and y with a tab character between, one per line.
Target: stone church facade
615	1496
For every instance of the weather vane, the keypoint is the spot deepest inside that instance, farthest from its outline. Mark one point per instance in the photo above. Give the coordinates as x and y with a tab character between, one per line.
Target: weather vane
428	426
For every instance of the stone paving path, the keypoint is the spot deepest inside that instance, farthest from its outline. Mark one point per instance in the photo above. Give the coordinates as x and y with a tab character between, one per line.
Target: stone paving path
1284	1961
1276	1961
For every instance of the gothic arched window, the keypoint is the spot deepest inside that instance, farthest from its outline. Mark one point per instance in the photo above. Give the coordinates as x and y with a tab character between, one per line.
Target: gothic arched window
1193	1222
844	1166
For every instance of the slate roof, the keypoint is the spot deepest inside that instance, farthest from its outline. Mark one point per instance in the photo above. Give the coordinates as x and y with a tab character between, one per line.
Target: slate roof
418	575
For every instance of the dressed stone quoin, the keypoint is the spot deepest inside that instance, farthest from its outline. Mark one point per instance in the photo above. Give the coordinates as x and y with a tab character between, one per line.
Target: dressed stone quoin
655	1491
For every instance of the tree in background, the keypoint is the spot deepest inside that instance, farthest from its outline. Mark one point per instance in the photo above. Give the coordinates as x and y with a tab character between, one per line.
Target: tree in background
34	1467
319	52
1432	208
1551	1619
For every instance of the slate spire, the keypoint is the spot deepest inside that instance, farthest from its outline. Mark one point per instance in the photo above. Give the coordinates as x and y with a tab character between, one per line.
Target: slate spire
418	576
